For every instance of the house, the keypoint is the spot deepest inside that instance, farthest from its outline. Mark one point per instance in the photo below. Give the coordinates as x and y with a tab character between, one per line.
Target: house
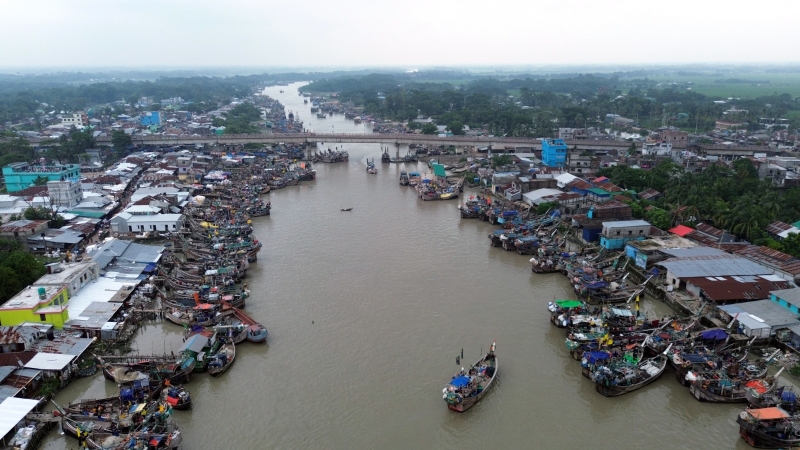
657	149
554	152
646	252
704	261
21	230
150	118
77	120
649	194
734	289
72	275
780	230
66	193
19	176
44	304
12	415
535	197
614	235
760	318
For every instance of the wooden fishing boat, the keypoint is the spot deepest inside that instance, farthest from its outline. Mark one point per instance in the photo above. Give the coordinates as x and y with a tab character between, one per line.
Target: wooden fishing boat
613	383
770	427
232	330
256	332
347	209
468	387
222	360
403	178
724	390
160	437
612	358
201	346
202	315
178	397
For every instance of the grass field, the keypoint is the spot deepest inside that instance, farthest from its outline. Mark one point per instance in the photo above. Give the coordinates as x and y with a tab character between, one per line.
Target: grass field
763	83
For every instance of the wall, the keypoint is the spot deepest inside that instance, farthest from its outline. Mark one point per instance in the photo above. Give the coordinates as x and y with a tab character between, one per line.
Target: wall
10	317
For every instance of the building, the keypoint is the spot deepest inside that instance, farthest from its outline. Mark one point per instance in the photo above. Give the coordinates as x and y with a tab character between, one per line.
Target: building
73	275
76	120
734	289
554	152
44	304
19	176
66	194
616	234
705	262
21	230
144	218
760	318
780	230
657	149
150	118
673	135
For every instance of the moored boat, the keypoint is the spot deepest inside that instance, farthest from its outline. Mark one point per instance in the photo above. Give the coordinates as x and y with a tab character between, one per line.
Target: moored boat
616	382
256	332
222	359
468	386
770	427
178	397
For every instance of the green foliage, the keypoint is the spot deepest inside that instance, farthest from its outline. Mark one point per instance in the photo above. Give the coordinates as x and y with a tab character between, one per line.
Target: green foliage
239	119
546	206
18	269
456	127
501	160
40	181
659	218
42	213
429	128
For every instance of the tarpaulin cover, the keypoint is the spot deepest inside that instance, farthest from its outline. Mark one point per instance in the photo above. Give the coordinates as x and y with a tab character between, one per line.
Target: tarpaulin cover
593	357
716	335
694	358
154	440
569	303
510	213
596	285
460	381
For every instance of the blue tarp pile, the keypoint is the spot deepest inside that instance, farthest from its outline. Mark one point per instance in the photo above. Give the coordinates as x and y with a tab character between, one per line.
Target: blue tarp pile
593	357
460	381
716	335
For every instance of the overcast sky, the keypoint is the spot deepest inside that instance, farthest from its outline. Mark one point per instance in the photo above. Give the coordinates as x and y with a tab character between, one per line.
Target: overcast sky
406	33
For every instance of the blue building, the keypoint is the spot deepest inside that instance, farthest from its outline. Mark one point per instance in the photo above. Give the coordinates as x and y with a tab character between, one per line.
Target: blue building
19	176
150	118
616	234
554	152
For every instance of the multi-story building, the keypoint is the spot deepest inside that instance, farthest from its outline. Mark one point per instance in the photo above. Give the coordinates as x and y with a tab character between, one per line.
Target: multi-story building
150	118
76	119
554	152
67	193
616	234
19	176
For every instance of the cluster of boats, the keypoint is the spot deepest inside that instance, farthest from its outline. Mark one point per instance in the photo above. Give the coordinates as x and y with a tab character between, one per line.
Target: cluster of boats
331	156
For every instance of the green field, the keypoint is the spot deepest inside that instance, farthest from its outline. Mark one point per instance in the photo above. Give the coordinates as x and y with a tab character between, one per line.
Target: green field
764	83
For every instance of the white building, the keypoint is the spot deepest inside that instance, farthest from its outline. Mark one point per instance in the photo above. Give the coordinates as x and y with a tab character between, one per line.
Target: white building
66	193
657	149
76	119
127	223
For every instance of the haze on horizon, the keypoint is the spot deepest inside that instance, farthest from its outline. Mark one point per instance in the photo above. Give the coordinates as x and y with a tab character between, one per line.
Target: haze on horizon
413	33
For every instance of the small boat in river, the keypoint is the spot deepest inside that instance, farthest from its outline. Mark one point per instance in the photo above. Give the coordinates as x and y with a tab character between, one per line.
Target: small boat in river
178	397
403	178
347	209
255	331
616	382
222	359
469	386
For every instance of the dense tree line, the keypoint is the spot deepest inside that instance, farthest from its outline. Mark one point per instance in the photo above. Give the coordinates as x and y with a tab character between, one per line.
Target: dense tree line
18	269
732	198
240	119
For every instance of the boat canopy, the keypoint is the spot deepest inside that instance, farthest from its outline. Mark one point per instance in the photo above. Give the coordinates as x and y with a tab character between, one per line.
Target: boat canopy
415	174
716	335
460	381
195	343
593	357
773	413
569	303
621	312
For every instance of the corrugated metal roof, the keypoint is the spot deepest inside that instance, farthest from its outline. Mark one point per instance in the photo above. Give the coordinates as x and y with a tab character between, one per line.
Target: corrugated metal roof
722	289
626	223
5	371
772	314
49	361
712	266
790	295
12	411
693	251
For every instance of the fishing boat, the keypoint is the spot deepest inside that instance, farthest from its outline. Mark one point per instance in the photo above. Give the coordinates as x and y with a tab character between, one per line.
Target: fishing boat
158	436
232	329
448	196
726	390
256	332
414	179
201	346
385	158
178	397
468	386
202	315
616	382
347	209
403	178
222	360
769	428
371	169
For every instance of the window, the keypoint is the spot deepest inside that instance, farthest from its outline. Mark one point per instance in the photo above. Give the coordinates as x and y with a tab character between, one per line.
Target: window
641	231
630	232
617	233
42	317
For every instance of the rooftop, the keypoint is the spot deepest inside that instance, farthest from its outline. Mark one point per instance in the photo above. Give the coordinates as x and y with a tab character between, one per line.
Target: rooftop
721	289
103	290
790	295
66	275
49	361
29	298
761	313
95	315
12	411
704	262
626	223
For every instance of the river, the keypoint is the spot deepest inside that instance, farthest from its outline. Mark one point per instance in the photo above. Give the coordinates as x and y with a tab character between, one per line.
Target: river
367	311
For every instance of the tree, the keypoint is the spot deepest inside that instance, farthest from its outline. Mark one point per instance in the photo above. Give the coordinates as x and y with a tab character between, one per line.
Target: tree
40	181
120	140
429	128
659	218
456	127
501	160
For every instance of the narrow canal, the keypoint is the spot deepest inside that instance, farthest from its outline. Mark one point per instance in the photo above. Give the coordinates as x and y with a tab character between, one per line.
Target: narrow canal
367	311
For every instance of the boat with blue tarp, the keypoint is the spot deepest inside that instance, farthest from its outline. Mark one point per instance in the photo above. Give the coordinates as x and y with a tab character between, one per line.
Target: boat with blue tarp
467	387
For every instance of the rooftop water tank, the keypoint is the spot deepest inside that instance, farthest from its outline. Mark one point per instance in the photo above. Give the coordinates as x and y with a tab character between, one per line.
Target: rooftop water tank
42	293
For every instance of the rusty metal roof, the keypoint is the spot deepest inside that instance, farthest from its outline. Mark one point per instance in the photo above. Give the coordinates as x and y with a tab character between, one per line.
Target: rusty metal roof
725	289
